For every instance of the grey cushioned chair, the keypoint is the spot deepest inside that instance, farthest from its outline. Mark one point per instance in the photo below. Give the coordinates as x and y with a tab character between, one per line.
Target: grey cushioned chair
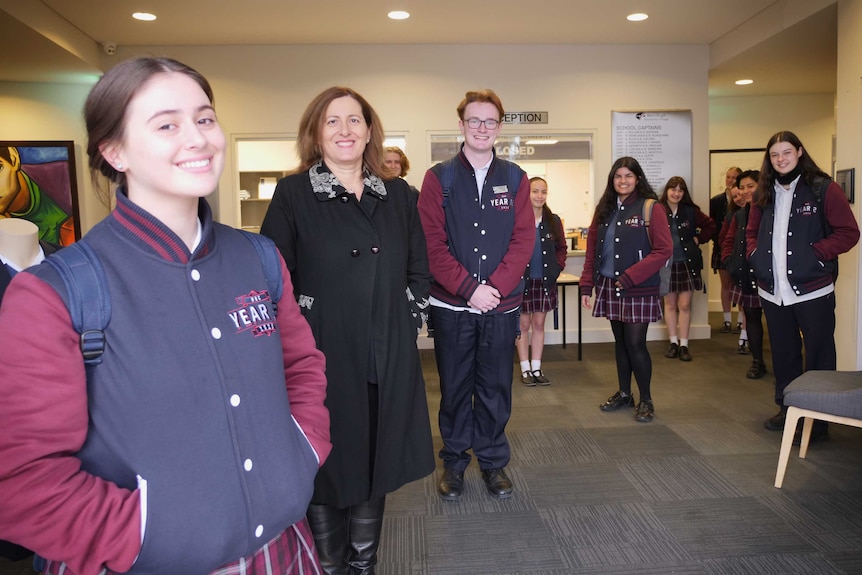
834	396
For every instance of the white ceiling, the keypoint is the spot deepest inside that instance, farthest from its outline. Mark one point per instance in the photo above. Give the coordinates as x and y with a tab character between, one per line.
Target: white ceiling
798	59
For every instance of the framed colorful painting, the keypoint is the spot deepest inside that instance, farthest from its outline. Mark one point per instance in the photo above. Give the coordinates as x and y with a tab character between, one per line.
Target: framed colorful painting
38	183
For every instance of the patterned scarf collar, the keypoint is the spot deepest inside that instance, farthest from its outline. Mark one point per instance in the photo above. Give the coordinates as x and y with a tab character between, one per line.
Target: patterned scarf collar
326	186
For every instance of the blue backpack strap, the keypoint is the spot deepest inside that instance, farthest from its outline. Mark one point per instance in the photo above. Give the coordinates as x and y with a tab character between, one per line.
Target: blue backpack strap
268	254
448	175
89	300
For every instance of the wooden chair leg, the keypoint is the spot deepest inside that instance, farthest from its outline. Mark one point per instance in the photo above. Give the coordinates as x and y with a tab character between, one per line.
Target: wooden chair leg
807	425
790	422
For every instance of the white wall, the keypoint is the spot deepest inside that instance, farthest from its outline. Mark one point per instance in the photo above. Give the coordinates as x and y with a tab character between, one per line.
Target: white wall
52	112
849	154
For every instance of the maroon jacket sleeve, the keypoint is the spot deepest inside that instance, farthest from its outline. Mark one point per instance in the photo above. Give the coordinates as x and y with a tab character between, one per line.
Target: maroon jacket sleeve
48	503
752	229
446	270
304	371
589	259
845	230
660	252
707	227
726	237
509	272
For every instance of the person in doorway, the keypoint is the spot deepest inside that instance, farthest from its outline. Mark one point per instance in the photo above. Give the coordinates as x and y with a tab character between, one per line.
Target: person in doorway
540	292
192	447
626	248
475	210
351	236
395	159
800	221
689	229
743	289
718	208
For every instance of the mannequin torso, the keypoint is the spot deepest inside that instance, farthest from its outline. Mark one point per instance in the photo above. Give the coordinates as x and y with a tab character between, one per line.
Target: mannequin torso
19	241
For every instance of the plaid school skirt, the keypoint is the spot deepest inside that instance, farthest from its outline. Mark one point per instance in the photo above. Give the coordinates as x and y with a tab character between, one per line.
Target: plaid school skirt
536	299
681	280
742	299
640	309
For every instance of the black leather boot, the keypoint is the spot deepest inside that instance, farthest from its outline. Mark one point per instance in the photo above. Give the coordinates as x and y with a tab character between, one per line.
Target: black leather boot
366	522
329	526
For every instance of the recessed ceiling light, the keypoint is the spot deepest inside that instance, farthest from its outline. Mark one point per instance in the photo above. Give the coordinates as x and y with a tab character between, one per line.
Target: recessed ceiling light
399	15
744	82
145	16
637	17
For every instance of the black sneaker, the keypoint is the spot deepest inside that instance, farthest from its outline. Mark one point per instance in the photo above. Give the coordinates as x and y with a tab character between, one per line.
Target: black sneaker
726	328
672	351
644	412
617	401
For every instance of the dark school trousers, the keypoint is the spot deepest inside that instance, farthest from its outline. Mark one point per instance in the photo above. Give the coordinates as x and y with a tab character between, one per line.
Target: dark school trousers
475	354
810	323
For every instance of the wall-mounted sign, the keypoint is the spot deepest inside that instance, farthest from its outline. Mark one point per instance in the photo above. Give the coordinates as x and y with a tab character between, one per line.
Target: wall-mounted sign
659	141
525	118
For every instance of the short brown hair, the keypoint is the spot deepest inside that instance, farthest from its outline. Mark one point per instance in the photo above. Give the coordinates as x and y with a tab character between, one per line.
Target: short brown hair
308	141
482	96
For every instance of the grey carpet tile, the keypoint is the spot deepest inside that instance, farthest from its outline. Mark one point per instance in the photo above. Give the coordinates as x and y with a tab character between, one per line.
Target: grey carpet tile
411	499
541	417
818	511
790	564
511	542
752	474
578	484
402	540
850	562
659	554
676	479
724	437
730	527
554	447
639	440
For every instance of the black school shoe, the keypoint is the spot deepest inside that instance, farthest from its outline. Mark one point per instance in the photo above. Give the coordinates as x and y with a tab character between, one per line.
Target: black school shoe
617	401
672	351
683	353
757	370
644	412
497	482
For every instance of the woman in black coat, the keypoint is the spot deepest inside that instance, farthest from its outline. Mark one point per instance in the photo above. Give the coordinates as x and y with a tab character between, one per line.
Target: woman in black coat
350	234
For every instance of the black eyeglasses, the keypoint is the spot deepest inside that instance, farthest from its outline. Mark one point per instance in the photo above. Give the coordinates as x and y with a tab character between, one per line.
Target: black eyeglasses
474	123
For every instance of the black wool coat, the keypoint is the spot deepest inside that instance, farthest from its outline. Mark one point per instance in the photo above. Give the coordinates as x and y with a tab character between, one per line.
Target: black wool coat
360	275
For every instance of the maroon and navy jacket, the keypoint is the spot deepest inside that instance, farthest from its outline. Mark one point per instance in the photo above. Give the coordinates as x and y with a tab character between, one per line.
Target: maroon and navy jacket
811	253
640	251
203	392
471	242
692	223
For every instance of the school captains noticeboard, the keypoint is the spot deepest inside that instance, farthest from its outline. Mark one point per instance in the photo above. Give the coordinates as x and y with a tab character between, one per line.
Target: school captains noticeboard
659	141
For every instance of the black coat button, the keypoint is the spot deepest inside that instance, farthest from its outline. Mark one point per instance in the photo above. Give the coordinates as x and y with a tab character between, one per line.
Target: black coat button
354	253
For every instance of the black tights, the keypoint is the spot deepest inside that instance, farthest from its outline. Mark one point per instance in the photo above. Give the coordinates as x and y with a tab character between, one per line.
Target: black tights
632	356
754	328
